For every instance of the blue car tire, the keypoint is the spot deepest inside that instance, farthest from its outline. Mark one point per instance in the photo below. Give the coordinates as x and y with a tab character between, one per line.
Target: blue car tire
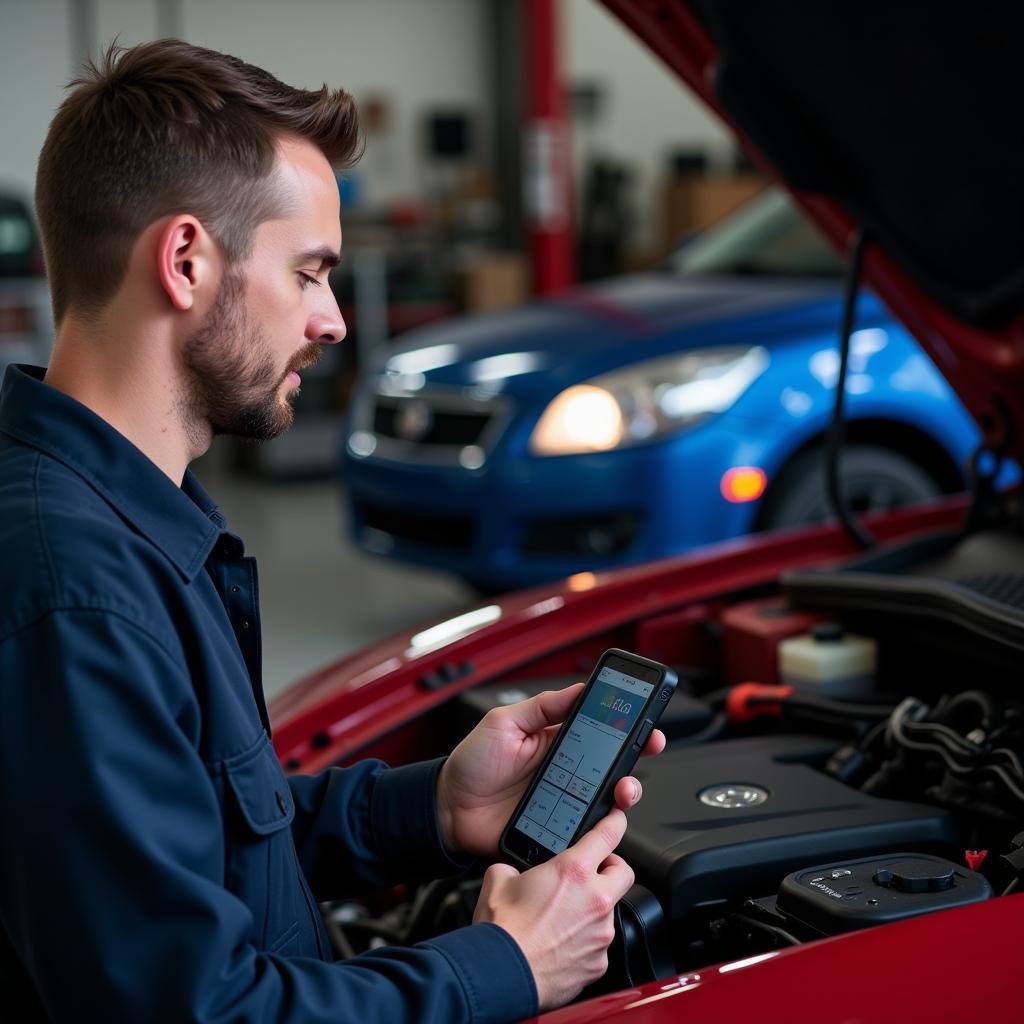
872	479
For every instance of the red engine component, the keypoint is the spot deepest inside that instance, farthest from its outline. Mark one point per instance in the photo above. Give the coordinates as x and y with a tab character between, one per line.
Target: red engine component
751	633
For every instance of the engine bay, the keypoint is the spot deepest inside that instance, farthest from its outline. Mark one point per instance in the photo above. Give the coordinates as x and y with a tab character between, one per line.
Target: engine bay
827	770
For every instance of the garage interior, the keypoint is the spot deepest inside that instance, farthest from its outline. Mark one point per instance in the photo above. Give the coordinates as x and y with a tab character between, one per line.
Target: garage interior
610	386
442	115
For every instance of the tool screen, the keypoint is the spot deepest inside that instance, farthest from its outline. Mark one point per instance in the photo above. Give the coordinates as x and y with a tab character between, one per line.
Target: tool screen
587	751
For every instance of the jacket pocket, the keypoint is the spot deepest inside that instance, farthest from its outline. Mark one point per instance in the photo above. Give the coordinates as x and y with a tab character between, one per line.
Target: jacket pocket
261	866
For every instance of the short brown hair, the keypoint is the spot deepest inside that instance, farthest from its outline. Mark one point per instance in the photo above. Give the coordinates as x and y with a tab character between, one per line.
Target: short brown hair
161	128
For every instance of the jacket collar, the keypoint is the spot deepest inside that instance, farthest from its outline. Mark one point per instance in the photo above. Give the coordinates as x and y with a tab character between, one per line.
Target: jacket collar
183	522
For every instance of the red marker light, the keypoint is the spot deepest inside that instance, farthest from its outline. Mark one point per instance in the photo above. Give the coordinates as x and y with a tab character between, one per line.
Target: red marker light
975	858
743	483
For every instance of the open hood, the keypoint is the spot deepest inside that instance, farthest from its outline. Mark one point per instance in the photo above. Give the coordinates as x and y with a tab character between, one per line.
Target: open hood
891	119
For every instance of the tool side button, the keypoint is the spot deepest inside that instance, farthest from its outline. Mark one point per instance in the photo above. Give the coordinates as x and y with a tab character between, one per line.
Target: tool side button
643	735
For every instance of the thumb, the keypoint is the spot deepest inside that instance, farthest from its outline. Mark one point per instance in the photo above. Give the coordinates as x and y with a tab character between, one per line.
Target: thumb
496	877
498	873
547	708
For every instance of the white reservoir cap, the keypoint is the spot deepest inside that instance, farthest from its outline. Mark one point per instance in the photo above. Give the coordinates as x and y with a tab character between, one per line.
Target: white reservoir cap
829	661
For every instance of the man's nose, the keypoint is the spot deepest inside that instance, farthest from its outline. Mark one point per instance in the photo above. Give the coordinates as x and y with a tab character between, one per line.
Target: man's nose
327	327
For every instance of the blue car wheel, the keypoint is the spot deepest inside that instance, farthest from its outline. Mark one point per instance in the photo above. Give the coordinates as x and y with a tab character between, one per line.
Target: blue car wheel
873	479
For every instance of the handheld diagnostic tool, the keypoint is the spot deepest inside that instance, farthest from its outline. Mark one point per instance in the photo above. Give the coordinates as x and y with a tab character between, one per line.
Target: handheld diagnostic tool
596	746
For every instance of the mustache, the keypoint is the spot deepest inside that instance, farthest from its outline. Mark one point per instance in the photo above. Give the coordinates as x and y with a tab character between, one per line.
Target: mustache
303	360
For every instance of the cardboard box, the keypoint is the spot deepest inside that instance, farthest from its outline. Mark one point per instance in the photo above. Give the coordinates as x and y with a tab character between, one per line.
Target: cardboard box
693	203
493	280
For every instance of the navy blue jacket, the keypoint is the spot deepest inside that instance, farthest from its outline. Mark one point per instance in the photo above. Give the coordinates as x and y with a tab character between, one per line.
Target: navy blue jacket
155	862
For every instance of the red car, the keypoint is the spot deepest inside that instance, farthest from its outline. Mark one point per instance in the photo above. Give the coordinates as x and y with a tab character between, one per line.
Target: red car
836	831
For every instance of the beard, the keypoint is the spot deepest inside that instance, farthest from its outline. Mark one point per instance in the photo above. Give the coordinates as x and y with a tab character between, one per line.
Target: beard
232	384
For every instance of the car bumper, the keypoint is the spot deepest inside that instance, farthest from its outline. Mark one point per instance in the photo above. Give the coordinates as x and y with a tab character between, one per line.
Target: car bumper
520	521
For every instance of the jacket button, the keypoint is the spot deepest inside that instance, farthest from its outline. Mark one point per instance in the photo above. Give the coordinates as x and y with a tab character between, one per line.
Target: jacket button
281	802
235	589
245	623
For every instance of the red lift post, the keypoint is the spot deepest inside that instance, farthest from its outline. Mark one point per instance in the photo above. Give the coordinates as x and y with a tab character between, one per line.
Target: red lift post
547	203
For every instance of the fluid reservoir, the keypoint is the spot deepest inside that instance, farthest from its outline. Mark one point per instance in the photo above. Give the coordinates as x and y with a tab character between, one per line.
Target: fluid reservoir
829	661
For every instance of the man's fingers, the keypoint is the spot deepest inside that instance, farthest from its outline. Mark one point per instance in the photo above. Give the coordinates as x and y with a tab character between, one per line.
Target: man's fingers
618	874
491	892
498	873
627	792
655	743
548	708
594	848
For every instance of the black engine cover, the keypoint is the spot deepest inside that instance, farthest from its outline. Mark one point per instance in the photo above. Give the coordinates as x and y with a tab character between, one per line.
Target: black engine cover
696	855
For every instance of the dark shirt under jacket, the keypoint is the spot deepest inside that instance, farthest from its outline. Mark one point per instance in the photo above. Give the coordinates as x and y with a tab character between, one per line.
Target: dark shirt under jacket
155	863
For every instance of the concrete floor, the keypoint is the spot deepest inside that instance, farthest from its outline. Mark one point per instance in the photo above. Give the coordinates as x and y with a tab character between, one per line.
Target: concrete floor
319	597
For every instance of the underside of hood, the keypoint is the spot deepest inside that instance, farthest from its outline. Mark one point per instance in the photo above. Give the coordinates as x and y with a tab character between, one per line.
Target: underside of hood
897	119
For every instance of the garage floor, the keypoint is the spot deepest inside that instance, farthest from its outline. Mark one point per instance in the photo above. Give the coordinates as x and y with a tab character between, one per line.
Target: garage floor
320	599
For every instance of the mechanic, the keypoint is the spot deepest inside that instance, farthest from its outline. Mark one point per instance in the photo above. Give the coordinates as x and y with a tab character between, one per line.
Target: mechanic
155	863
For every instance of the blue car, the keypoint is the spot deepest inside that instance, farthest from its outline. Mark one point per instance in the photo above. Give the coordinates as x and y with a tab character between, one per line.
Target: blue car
645	415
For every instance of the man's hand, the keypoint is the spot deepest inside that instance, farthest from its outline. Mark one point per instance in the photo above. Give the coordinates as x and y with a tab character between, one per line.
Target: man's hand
560	912
487	773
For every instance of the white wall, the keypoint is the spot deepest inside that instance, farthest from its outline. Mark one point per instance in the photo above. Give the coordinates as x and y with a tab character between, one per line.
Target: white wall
35	65
418	53
125	21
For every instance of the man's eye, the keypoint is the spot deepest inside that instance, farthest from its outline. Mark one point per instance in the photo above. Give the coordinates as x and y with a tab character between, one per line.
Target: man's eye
305	280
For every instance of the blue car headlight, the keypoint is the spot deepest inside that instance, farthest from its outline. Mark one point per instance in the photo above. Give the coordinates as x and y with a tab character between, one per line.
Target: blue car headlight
646	401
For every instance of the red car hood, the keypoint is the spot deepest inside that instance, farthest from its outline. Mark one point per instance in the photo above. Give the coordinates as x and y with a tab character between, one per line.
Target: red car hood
887	118
929	968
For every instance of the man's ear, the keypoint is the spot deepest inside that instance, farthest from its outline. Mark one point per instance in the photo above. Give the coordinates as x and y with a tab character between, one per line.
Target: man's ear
188	260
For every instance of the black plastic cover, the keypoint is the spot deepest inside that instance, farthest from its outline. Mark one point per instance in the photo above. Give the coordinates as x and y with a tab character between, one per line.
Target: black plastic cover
973	584
849	895
693	854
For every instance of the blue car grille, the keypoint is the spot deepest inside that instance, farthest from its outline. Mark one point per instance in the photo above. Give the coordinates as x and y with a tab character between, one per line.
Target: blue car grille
440	426
445	427
600	536
450	533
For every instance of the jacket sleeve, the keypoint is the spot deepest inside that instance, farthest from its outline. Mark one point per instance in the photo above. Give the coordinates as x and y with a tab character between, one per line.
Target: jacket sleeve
370	824
112	860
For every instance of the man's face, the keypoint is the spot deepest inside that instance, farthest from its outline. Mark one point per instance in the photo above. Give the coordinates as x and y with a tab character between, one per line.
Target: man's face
270	316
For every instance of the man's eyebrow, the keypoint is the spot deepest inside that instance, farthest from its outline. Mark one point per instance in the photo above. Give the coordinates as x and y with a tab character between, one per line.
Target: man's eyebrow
324	256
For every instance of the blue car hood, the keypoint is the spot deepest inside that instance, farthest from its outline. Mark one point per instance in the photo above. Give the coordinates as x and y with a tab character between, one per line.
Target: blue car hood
598	328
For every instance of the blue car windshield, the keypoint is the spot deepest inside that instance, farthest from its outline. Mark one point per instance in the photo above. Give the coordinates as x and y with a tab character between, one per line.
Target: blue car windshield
768	236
